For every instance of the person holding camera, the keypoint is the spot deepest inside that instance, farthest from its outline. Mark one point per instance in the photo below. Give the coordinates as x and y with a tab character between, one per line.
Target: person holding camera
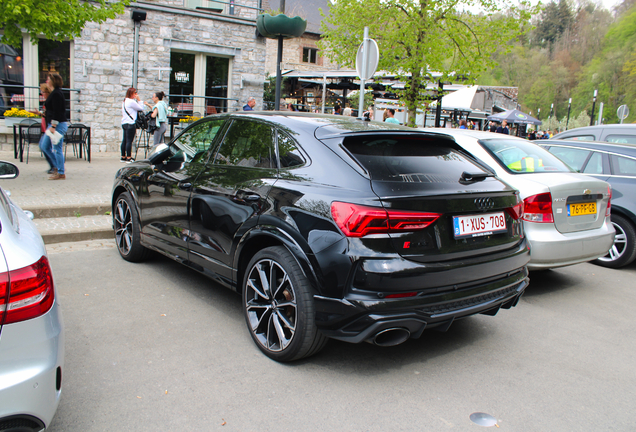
130	108
160	114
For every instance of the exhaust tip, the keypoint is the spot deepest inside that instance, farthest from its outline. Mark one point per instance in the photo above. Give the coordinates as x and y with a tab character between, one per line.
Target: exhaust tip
391	337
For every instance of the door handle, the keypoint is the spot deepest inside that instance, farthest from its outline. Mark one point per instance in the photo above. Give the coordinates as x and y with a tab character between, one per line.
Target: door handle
252	197
185	186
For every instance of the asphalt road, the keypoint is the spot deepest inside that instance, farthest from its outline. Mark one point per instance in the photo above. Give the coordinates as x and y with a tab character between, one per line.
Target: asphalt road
157	347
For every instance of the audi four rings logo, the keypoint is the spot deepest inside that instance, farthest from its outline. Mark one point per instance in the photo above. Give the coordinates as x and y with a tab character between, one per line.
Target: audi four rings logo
484	203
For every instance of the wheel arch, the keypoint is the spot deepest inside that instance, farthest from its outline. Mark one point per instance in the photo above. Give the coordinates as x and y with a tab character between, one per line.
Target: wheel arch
120	188
625	213
260	238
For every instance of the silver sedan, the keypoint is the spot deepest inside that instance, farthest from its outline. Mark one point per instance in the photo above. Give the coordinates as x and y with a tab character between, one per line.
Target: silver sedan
566	214
31	331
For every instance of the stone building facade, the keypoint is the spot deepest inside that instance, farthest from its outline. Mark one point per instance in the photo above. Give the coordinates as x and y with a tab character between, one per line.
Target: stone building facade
215	43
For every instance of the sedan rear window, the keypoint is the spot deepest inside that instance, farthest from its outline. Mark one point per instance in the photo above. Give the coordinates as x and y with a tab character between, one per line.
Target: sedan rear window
519	156
411	159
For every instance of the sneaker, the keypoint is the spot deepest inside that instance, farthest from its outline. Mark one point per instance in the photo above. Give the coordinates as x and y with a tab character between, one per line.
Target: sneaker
123	159
52	171
130	160
58	177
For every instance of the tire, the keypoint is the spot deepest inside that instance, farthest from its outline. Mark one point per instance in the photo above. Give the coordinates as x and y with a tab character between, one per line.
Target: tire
280	321
623	251
128	230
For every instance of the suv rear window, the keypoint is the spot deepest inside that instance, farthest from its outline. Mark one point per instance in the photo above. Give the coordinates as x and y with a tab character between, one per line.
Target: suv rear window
411	159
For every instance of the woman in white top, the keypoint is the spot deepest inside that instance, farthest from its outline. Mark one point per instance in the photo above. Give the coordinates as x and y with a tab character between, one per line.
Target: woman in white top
129	109
160	114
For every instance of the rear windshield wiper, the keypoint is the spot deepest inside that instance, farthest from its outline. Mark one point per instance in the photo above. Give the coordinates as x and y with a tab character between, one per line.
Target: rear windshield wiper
467	177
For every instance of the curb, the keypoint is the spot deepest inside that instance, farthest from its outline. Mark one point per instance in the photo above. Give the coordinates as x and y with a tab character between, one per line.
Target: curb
69	211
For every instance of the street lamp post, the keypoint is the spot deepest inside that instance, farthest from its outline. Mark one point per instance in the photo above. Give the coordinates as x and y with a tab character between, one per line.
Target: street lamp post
539	114
551	108
593	106
568	120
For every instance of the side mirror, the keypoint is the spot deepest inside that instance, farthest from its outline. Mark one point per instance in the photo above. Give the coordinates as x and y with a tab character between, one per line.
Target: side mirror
8	170
159	154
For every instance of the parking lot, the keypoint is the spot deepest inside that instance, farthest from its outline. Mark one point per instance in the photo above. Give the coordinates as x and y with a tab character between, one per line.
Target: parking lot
157	347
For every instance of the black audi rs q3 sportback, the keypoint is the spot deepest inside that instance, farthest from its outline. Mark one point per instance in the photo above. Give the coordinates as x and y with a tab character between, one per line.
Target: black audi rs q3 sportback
328	227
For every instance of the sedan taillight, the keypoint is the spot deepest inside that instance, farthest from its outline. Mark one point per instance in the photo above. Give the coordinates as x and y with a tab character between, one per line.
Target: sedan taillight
26	293
358	221
538	208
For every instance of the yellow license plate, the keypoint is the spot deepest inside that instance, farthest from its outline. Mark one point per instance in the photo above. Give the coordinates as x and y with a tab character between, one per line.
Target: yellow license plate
582	209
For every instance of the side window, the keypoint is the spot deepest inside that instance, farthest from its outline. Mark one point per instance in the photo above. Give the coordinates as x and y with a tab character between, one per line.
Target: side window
247	143
288	152
624	166
198	138
621	139
575	158
595	164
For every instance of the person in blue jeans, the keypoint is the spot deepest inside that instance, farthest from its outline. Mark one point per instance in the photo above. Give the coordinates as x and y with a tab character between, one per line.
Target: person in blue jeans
56	125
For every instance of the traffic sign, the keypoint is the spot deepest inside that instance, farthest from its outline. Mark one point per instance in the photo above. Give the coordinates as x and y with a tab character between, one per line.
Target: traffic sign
622	112
365	72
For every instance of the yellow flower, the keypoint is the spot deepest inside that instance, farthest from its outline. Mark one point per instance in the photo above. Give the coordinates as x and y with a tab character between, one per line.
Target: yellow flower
189	119
16	112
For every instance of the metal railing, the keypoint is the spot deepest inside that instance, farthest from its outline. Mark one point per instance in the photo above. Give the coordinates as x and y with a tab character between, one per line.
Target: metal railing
29	97
200	105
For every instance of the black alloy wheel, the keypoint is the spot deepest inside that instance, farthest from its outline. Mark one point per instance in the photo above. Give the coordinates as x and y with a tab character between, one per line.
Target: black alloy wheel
127	229
623	251
278	306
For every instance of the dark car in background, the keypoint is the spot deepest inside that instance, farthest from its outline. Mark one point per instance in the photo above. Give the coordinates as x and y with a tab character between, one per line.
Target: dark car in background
616	164
329	227
612	133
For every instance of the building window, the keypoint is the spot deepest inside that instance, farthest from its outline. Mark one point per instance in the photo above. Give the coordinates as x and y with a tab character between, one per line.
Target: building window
54	57
210	6
310	55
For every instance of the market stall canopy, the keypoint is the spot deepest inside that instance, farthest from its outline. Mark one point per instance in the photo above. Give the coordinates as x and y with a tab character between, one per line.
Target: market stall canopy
461	99
514	116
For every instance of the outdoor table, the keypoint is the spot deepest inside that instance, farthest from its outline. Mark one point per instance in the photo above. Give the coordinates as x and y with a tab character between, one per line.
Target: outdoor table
20	98
174	120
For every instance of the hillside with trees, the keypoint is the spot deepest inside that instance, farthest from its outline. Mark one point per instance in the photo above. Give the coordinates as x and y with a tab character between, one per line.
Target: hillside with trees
570	51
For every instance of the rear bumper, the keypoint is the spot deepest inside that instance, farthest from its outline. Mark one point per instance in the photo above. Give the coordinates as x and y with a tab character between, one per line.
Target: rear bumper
360	315
31	361
550	248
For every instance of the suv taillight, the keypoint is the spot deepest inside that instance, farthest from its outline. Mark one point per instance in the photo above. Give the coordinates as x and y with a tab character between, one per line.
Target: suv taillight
358	221
538	208
608	212
26	293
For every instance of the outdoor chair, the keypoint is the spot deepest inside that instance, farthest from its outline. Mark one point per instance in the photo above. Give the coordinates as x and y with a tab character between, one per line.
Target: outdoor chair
77	136
31	135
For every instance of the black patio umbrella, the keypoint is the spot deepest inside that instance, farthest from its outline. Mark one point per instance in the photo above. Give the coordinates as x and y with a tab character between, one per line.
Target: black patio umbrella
514	116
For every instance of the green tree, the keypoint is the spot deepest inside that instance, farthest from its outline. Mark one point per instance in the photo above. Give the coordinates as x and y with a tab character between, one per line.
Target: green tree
55	19
416	37
609	71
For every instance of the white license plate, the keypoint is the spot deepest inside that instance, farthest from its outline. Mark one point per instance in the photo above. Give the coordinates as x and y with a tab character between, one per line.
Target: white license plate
479	225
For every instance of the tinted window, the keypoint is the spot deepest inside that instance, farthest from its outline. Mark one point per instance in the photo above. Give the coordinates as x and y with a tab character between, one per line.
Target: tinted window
247	144
581	138
575	158
520	156
288	152
198	138
621	139
624	166
595	164
410	159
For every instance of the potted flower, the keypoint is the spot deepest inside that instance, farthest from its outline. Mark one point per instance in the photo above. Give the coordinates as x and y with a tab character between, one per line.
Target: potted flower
274	24
16	115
